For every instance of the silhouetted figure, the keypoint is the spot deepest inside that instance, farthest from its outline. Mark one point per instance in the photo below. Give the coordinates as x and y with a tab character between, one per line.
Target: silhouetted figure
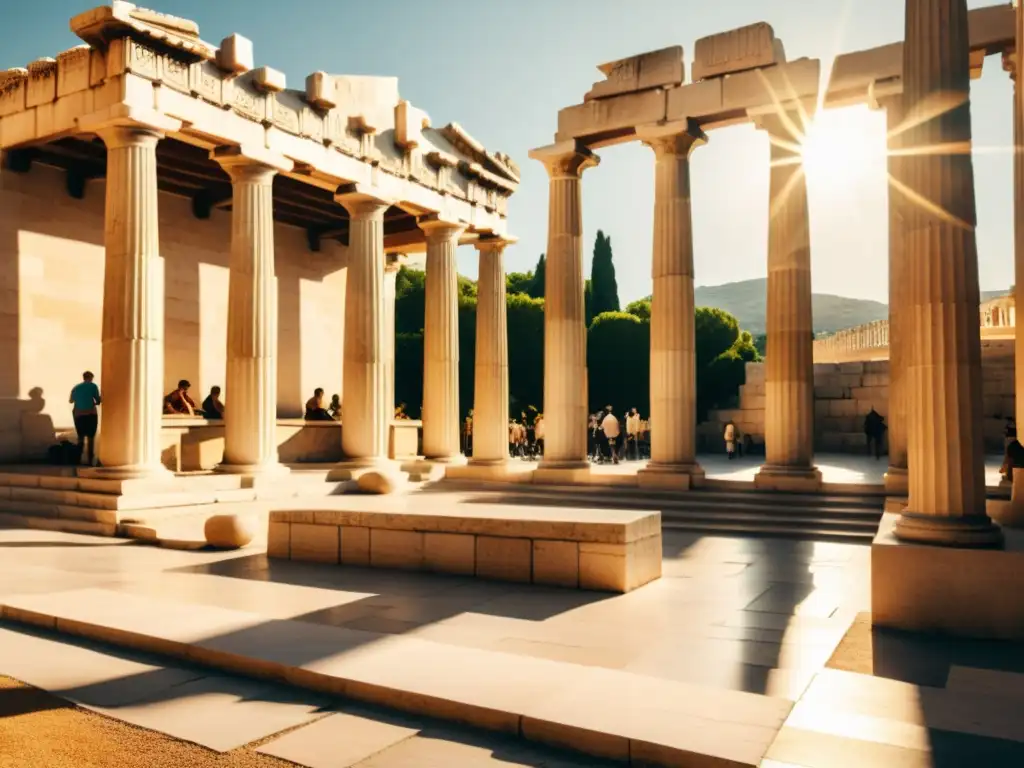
179	401
315	410
334	409
1013	458
874	430
1009	431
85	397
213	408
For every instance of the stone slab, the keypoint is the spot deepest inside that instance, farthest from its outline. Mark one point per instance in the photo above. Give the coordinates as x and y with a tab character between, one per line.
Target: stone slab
636	73
737	50
935	589
582	708
618	113
337	741
800	482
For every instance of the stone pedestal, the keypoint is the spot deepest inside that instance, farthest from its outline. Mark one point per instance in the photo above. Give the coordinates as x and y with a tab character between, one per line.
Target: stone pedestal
565	333
364	434
946	500
441	342
896	475
250	419
789	363
673	461
132	368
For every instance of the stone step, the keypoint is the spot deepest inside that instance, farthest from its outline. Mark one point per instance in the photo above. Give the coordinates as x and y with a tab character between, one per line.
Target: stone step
602	712
789	532
57	524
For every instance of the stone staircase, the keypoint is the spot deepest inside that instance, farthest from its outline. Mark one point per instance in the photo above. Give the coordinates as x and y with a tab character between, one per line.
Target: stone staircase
56	498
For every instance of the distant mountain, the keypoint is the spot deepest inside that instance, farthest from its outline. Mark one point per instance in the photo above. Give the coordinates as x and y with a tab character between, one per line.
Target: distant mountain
746	300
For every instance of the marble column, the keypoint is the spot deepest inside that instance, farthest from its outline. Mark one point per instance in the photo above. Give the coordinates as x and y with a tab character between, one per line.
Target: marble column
673	380
392	264
789	359
132	368
946	472
250	420
896	474
441	342
565	333
364	428
1012	63
490	395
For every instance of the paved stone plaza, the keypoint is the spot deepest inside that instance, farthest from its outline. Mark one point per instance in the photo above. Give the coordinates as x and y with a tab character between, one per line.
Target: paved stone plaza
782	620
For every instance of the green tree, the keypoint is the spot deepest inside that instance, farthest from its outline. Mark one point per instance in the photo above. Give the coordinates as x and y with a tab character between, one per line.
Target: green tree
715	330
518	282
525	317
409	372
761	344
410	300
618	362
537	286
467	344
602	276
588	302
640	308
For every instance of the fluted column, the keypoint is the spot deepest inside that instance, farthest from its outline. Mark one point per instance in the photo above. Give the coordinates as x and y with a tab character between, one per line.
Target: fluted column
392	264
490	387
946	473
673	380
441	342
132	367
565	333
364	429
1013	64
250	421
896	475
789	359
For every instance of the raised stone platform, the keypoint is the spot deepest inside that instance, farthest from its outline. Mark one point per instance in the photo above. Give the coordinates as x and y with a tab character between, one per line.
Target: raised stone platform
964	592
610	550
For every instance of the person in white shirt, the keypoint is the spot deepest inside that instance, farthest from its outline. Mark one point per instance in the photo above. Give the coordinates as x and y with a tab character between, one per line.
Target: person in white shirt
610	427
633	434
538	434
730	439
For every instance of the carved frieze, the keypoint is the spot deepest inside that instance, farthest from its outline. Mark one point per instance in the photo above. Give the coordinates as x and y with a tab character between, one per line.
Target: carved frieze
311	124
339	136
206	82
286	107
175	74
243	98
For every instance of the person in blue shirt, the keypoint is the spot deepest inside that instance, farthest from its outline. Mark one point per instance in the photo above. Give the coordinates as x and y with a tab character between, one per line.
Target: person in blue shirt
85	396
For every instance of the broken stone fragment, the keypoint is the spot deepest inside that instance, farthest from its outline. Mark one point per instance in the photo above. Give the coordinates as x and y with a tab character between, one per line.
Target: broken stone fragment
737	51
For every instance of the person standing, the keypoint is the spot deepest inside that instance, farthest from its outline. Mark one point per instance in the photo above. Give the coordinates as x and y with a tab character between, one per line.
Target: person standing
730	439
633	434
610	428
538	434
85	397
874	430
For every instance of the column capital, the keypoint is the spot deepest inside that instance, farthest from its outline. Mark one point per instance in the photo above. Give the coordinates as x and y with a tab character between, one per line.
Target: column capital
676	138
438	229
1010	64
786	123
494	243
124	126
250	163
360	202
566	159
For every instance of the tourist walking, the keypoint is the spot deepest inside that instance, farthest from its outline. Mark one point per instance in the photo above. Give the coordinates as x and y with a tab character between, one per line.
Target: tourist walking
730	439
610	428
633	435
874	430
85	397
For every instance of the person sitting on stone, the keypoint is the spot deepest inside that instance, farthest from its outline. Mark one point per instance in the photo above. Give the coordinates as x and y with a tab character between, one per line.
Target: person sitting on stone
1013	458
315	410
334	409
213	408
179	402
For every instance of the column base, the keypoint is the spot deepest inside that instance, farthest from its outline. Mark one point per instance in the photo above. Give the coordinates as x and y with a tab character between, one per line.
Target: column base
500	471
974	531
456	460
896	481
269	471
562	473
680	477
773	477
148	472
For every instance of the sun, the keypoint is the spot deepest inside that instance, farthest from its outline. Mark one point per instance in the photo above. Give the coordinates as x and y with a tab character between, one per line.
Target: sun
844	146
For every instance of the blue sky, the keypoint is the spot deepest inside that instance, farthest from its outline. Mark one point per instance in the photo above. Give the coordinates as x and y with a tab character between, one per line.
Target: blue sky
504	69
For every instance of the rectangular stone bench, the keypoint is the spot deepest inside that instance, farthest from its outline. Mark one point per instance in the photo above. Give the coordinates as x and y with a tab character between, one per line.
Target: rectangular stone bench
599	549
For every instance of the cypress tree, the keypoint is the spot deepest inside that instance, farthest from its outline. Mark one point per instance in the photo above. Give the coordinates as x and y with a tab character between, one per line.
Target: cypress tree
602	276
537	286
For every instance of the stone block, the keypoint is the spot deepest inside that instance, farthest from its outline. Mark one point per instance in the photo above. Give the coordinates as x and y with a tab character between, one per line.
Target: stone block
269	80
850	380
842	407
13	89
760	91
279	540
620	567
637	73
314	543
504	559
409	125
851	367
235	55
396	549
618	113
73	70
831	393
737	50
876	379
355	545
694	100
752	402
557	563
450	553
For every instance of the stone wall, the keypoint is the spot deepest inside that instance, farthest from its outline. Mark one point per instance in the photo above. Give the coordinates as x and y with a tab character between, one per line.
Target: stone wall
845	392
51	298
